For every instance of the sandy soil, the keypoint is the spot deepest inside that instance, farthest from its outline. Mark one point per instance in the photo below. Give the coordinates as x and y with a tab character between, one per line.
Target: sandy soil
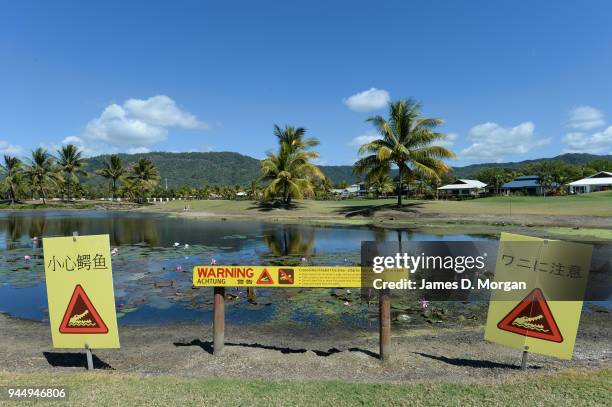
269	352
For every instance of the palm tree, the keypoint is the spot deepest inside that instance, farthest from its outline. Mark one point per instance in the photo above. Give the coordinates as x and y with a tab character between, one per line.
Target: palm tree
114	170
292	139
42	172
143	176
405	142
290	171
13	177
290	176
380	184
71	163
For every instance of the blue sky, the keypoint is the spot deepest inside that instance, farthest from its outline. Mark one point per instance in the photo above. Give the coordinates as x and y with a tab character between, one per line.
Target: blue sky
513	79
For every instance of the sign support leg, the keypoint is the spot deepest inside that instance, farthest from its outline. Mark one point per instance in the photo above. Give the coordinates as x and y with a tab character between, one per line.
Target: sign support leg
90	365
524	359
218	321
384	321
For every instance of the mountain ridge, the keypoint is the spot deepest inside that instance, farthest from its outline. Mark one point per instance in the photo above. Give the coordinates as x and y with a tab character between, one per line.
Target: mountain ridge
231	168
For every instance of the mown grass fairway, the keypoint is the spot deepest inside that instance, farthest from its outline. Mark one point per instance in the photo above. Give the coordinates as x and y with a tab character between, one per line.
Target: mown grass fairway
595	204
568	388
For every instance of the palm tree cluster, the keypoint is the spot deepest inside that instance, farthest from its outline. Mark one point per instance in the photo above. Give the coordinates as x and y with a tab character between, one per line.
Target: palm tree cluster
43	173
406	142
289	172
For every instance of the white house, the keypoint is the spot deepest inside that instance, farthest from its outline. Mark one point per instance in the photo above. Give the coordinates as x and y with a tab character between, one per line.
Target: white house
464	187
597	182
351	190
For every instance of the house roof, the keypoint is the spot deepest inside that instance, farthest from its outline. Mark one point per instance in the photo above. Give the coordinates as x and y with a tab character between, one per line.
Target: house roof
601	178
526	181
464	184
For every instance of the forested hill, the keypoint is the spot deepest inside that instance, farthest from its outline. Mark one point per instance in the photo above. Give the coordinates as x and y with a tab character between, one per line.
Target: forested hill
570	158
227	168
194	169
213	168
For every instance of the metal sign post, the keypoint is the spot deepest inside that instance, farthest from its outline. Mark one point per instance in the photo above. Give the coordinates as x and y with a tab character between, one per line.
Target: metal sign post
524	359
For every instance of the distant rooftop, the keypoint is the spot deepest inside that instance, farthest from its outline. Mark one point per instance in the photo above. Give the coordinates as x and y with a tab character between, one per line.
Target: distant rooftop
525	181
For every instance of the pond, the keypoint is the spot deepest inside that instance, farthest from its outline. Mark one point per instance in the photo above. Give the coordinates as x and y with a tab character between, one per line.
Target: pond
156	253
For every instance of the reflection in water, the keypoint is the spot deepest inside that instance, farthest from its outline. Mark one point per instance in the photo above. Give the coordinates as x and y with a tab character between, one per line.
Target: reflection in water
289	240
152	277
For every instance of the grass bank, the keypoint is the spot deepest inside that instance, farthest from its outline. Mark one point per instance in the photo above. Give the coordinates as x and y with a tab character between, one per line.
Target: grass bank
595	204
583	388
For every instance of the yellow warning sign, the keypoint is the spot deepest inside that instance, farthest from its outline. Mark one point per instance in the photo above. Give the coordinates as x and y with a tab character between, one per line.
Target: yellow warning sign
80	292
545	321
274	276
286	276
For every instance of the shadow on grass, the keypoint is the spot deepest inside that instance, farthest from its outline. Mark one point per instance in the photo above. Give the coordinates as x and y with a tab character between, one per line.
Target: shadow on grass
272	206
481	364
66	359
208	347
369	210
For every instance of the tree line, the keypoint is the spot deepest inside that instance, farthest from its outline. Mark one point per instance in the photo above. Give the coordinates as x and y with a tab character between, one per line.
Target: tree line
44	174
407	158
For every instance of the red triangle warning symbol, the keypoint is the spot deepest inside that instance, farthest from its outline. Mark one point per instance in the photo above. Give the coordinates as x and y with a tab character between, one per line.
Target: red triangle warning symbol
81	317
532	317
265	278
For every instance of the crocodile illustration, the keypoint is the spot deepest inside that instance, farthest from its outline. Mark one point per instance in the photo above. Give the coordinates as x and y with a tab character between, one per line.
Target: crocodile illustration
529	323
77	320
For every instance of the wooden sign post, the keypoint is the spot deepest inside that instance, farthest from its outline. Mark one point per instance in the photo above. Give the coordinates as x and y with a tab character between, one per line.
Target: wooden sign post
384	321
219	321
221	276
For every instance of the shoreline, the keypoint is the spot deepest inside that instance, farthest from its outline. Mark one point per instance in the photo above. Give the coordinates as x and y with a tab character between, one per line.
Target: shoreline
415	216
436	353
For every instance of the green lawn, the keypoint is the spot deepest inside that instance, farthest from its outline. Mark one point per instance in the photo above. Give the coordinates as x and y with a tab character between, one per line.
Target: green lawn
102	388
595	204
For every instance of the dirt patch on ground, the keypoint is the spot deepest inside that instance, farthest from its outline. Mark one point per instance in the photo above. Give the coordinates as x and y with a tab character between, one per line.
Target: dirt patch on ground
457	354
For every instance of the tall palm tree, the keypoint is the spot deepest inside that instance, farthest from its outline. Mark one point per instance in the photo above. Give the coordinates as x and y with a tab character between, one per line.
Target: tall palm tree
290	171
290	176
71	163
406	142
42	172
13	177
143	176
114	170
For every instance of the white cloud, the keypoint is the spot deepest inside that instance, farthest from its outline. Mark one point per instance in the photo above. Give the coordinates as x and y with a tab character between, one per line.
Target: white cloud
491	142
139	122
10	149
363	139
371	99
138	150
72	140
161	111
585	118
597	143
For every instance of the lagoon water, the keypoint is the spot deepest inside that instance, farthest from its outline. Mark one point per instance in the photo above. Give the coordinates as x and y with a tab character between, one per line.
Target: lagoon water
152	275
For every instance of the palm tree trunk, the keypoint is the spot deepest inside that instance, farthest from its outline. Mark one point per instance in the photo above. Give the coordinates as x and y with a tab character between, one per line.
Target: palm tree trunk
114	189
399	186
43	195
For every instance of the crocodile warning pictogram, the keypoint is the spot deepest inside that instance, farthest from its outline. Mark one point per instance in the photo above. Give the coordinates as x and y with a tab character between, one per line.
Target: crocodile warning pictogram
81	316
265	278
532	317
